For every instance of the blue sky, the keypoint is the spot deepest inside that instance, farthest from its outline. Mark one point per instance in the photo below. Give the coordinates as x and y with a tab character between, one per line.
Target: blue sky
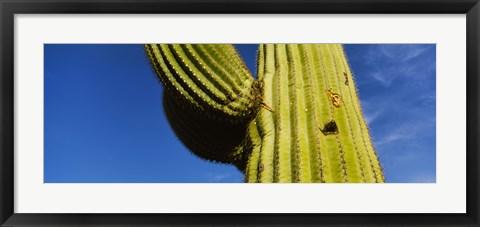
104	120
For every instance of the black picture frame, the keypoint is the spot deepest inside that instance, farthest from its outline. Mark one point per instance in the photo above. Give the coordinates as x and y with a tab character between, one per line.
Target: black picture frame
9	8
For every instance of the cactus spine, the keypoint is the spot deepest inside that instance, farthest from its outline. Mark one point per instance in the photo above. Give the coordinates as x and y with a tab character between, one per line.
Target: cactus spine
300	121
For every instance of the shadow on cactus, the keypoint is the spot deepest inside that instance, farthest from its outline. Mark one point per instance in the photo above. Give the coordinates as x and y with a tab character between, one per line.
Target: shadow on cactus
300	121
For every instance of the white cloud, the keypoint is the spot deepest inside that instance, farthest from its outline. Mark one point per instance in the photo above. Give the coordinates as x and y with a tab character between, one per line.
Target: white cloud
382	77
396	62
403	52
424	178
370	113
217	177
371	117
406	130
392	137
428	99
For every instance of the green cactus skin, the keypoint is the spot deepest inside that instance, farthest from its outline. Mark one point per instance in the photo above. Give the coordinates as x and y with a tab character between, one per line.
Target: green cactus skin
210	79
300	121
208	97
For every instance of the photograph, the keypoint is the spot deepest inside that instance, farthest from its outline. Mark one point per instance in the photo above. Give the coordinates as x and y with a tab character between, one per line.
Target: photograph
240	113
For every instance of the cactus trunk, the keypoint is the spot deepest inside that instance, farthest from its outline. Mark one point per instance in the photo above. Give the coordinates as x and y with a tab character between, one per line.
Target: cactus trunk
300	121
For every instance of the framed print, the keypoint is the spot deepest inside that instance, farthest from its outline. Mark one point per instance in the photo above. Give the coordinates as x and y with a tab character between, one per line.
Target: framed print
196	113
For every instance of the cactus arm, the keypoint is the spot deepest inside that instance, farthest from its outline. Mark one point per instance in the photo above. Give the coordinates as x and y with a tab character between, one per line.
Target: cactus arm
215	142
215	64
166	77
210	92
205	82
194	83
210	60
208	98
229	53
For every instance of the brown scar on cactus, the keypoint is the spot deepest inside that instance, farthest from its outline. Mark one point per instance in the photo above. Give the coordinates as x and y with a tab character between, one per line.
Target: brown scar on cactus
335	98
256	92
258	99
260	167
330	128
266	106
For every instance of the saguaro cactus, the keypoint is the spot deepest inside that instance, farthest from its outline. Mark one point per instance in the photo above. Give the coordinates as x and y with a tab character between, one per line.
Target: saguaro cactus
300	121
